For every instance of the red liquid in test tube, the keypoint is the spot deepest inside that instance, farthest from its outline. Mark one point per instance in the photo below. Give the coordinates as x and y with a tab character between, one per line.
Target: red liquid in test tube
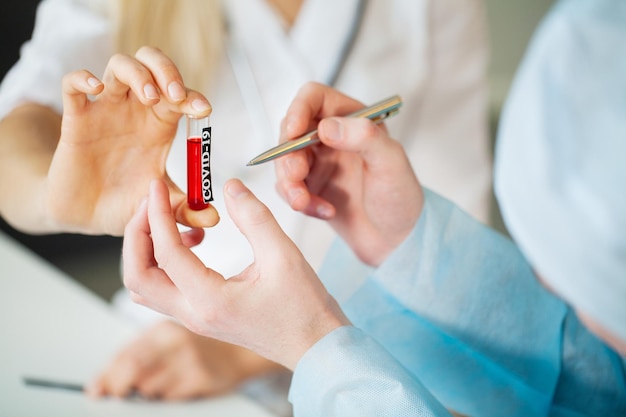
199	186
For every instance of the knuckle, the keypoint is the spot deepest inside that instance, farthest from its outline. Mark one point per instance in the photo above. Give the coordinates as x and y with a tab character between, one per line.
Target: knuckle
259	215
130	364
148	391
203	322
169	70
130	281
196	325
136	298
368	129
158	62
193	356
184	337
117	59
147	50
309	87
70	77
164	257
168	328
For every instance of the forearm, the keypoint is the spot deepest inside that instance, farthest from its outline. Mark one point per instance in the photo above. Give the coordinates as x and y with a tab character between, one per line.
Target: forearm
456	272
28	138
475	324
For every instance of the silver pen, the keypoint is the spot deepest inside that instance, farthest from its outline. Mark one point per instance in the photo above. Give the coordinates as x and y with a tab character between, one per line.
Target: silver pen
376	112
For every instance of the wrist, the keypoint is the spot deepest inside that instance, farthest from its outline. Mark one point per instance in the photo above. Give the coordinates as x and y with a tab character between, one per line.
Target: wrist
320	326
25	207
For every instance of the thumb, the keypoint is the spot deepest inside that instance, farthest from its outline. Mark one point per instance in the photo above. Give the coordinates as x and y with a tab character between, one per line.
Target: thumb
361	136
184	215
255	221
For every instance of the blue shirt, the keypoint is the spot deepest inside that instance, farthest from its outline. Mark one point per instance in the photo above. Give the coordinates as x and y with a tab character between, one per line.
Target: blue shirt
461	314
455	316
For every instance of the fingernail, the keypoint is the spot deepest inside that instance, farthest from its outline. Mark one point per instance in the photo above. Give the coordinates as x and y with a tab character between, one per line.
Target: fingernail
200	105
324	212
332	129
290	122
236	190
294	194
176	91
92	389
150	92
94	82
291	166
143	203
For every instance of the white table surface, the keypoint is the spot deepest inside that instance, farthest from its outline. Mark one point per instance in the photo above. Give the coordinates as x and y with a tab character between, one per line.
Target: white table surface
53	328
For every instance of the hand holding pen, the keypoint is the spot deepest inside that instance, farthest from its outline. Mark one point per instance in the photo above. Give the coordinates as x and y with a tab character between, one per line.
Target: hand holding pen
361	181
377	113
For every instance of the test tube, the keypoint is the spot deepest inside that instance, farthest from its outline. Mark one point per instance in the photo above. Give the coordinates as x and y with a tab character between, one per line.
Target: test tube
199	187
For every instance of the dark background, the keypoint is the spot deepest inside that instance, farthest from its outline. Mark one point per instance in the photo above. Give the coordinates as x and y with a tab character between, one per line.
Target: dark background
16	18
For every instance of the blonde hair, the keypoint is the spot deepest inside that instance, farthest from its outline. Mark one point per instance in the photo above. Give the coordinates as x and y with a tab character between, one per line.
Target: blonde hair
190	32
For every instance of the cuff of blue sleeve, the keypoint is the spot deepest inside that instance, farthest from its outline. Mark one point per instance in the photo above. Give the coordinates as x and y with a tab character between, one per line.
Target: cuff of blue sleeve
347	373
413	258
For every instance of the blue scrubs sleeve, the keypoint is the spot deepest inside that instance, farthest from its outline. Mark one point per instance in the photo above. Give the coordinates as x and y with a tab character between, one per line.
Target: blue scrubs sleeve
459	307
457	304
348	374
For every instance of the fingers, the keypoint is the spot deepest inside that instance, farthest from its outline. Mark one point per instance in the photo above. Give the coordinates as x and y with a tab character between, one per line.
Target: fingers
135	363
148	284
312	103
255	222
207	217
151	76
184	215
361	136
121	377
160	270
290	184
123	74
192	237
183	267
76	86
315	102
137	239
175	382
170	82
167	77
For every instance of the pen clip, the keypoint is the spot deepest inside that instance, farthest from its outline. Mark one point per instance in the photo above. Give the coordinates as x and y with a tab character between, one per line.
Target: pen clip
381	117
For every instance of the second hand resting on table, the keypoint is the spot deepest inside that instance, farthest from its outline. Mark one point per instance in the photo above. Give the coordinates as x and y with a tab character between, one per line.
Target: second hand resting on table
168	362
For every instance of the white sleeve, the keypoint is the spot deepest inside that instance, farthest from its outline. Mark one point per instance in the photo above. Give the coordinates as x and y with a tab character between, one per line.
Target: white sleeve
68	35
447	137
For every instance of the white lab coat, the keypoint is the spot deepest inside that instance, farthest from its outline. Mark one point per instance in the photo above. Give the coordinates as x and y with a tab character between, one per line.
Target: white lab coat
432	53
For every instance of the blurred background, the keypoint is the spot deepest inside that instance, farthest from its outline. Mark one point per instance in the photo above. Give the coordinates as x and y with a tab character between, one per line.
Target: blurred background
95	260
